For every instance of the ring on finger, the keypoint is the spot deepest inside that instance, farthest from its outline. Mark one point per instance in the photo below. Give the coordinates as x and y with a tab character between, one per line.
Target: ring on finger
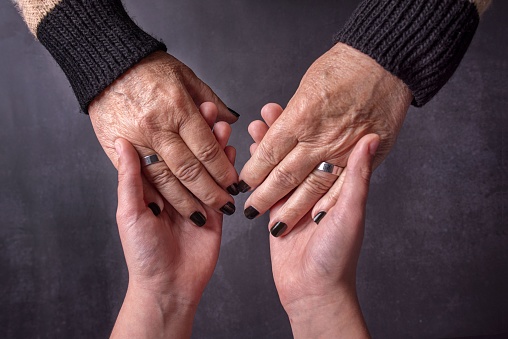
329	168
151	159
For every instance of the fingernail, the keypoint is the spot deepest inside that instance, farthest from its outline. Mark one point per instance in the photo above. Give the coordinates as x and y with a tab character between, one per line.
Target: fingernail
319	216
250	212
155	208
243	187
228	209
278	229
233	112
233	189
198	218
373	147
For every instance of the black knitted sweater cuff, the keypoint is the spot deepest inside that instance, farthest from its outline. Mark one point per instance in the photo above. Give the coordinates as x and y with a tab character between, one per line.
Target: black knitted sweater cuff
420	41
94	42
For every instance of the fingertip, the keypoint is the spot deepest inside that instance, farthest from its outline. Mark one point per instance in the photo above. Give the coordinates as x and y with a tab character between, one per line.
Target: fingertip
271	112
209	111
257	130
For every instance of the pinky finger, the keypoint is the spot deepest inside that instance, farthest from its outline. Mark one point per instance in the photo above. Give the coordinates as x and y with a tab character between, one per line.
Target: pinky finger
329	199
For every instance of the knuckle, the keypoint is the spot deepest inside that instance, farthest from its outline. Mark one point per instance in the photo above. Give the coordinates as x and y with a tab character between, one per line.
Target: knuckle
317	186
213	199
162	177
265	153
189	171
285	178
209	153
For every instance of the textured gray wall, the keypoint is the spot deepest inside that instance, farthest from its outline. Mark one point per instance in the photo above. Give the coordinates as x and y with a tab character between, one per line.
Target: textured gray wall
435	256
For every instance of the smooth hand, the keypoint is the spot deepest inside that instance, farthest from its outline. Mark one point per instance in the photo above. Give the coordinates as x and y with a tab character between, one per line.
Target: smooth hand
343	96
314	267
154	106
169	260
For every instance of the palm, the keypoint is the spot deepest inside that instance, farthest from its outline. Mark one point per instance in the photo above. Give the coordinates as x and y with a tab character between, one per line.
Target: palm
169	250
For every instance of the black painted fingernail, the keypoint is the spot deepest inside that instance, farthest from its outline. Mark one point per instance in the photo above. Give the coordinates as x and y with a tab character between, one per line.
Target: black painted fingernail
278	229
319	216
198	218
243	187
250	212
233	112
155	208
233	189
228	209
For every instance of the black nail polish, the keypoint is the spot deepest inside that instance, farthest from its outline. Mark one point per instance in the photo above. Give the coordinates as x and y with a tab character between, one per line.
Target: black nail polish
233	112
233	189
243	187
250	212
278	229
198	218
228	209
319	216
155	208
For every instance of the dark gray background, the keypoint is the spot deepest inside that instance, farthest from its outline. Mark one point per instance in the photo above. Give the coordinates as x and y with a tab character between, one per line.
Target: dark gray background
435	256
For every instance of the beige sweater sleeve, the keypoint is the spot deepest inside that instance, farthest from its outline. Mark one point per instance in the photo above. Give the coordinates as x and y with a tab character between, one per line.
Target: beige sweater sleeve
33	11
481	5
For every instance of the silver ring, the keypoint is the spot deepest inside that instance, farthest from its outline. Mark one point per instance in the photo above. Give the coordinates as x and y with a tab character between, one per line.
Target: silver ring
151	159
329	168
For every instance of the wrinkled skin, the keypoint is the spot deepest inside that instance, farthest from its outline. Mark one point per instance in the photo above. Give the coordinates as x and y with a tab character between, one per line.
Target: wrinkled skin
154	106
343	96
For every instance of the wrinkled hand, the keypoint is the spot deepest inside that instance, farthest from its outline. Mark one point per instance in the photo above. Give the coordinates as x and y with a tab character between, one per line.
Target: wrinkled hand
169	260
154	106
314	267
343	96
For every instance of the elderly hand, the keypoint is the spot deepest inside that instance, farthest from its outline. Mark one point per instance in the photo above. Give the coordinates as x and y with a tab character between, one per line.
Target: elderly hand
343	96
314	267
169	260
154	106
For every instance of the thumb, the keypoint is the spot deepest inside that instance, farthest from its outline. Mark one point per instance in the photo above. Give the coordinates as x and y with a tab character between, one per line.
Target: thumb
130	184
353	195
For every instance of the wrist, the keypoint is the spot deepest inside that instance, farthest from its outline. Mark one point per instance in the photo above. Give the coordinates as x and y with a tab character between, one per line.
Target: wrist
420	41
149	314
329	316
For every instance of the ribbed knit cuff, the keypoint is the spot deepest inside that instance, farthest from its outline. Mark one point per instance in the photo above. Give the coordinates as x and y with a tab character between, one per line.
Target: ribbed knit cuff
420	41
94	42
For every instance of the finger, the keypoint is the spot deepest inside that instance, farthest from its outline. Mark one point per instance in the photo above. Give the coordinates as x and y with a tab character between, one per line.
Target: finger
201	92
253	148
205	156
130	185
209	112
275	146
285	177
170	187
151	195
222	132
300	202
329	199
271	112
352	192
231	154
257	130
